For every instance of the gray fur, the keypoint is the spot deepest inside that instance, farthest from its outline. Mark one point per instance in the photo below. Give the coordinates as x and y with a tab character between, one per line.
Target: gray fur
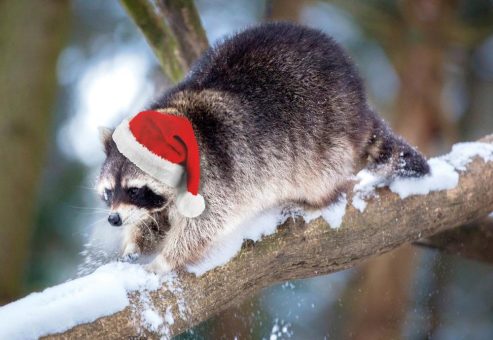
280	116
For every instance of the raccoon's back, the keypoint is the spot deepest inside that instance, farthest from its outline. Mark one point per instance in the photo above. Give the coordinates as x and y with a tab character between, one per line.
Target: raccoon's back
286	78
277	60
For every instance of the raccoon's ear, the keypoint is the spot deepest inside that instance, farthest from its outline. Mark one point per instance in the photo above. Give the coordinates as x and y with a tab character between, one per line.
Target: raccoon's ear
105	136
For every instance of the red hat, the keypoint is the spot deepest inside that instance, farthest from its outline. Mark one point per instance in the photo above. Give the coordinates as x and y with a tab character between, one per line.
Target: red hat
164	146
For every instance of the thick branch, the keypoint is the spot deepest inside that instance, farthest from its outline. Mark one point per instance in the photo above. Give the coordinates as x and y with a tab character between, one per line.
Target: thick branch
300	250
473	241
173	30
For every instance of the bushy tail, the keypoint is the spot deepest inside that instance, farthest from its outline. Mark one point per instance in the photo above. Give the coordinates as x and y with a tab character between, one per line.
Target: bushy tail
392	156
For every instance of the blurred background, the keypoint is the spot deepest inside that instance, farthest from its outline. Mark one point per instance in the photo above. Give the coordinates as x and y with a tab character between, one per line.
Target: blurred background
67	67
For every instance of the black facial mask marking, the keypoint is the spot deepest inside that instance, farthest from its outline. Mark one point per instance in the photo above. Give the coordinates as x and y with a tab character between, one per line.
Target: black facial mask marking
143	197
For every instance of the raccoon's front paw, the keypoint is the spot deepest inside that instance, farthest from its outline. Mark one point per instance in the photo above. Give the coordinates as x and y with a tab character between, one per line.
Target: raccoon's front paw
131	253
131	258
159	265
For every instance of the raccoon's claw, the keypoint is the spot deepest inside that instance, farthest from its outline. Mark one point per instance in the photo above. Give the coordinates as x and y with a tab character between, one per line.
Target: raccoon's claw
130	257
159	266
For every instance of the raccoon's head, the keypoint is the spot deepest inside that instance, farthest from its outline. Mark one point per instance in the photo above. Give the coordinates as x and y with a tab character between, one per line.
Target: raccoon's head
133	197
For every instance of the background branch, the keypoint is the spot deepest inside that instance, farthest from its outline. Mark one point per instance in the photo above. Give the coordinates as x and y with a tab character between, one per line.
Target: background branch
300	250
184	21
173	30
473	241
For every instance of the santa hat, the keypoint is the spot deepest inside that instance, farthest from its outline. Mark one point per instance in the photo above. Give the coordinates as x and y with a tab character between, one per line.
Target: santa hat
164	146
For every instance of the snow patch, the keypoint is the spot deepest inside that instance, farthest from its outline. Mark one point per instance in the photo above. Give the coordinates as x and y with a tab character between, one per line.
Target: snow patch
335	212
463	153
82	300
229	243
365	188
152	319
442	177
168	316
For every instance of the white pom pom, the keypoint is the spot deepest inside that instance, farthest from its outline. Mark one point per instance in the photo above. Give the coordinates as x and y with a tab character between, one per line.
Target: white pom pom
190	205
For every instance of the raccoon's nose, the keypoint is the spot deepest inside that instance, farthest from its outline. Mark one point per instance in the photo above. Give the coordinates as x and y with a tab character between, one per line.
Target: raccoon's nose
115	219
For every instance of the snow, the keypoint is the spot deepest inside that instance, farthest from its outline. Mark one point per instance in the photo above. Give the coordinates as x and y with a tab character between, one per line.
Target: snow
443	177
367	182
152	319
335	212
463	153
86	299
280	330
168	317
229	243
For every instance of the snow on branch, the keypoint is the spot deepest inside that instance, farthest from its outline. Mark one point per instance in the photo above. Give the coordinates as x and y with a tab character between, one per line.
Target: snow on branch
121	300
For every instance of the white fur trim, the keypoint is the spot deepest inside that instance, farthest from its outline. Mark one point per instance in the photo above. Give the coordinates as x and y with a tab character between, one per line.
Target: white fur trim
163	170
190	205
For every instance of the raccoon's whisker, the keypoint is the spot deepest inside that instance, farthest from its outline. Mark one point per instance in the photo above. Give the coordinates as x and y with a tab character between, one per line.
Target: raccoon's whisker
88	188
130	216
147	226
89	208
96	222
92	213
152	218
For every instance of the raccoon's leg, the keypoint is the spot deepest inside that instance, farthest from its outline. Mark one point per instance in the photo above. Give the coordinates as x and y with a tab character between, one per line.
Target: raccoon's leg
391	156
140	239
130	246
185	243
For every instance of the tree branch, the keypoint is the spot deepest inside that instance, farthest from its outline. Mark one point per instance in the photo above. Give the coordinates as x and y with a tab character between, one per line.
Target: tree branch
300	250
184	20
173	30
473	241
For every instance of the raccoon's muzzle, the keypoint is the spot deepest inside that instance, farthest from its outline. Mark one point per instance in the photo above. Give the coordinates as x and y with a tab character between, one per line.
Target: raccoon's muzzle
115	220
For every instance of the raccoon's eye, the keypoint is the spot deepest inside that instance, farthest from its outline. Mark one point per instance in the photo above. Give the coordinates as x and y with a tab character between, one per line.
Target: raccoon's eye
132	192
107	194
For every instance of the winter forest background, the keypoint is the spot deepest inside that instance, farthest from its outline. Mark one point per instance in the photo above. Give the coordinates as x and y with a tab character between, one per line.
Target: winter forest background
428	68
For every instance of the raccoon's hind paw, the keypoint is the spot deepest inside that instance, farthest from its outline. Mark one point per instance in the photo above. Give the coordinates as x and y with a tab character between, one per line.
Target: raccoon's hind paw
411	163
159	265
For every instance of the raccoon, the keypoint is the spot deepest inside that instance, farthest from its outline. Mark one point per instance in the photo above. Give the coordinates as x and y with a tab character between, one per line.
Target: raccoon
280	116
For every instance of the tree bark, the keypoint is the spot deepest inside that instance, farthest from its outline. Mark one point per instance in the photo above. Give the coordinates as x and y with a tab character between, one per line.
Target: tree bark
31	37
299	250
184	20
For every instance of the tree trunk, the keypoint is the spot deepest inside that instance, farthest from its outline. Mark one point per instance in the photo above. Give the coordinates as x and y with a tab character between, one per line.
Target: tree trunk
31	37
